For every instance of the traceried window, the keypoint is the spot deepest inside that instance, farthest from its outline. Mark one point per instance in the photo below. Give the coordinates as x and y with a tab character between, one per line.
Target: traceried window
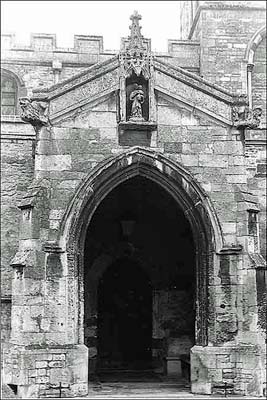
9	93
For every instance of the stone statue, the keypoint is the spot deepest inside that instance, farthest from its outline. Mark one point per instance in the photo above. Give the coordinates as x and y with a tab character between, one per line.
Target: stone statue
137	97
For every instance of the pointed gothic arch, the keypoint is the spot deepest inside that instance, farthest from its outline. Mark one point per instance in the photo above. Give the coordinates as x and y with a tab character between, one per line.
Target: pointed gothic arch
180	184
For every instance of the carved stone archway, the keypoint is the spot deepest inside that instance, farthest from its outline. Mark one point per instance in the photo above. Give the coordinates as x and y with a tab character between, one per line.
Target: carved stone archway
189	196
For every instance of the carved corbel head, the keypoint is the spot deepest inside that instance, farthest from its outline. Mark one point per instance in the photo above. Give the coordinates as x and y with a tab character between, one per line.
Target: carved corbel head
34	112
243	116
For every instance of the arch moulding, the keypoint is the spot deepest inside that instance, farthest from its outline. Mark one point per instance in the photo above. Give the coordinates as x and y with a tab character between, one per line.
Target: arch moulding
252	45
108	174
180	184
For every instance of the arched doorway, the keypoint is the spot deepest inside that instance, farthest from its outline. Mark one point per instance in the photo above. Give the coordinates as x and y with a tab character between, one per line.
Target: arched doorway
139	280
194	206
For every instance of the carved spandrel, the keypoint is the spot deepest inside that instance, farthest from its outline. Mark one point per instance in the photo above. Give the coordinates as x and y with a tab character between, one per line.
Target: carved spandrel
34	112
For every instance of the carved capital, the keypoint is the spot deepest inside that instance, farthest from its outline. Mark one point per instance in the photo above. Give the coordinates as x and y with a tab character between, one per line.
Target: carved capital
34	112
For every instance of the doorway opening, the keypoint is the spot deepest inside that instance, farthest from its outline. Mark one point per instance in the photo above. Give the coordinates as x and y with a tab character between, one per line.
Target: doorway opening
139	282
124	317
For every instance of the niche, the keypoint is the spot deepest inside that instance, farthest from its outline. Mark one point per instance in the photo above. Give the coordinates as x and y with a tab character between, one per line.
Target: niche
137	110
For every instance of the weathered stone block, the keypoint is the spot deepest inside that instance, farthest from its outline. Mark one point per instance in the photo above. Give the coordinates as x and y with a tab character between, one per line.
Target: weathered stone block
53	162
211	161
173	147
56	364
41	364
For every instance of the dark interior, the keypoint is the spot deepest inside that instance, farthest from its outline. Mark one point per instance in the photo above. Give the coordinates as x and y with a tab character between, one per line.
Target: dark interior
139	275
125	316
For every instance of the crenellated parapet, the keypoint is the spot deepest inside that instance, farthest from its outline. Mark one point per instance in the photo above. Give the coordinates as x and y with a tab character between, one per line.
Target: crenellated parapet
88	50
48	42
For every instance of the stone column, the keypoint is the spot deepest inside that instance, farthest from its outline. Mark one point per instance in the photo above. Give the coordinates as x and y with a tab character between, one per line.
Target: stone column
249	83
232	356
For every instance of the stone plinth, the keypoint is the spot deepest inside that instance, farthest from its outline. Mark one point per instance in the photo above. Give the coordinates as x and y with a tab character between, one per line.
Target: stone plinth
237	365
45	371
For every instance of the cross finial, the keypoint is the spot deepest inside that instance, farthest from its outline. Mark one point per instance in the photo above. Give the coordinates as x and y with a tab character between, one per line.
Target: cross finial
135	16
136	39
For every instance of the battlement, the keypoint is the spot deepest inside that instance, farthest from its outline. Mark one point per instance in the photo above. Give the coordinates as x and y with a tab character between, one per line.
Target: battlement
43	42
88	50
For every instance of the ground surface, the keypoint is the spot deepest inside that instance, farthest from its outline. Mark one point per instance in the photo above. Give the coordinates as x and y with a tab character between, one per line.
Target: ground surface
113	388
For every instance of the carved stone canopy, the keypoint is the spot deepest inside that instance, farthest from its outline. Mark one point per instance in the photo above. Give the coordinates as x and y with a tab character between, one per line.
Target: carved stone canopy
135	57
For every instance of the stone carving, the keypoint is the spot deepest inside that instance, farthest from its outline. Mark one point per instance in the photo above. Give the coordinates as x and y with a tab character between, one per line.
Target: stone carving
34	112
245	117
193	80
79	80
82	95
137	97
135	58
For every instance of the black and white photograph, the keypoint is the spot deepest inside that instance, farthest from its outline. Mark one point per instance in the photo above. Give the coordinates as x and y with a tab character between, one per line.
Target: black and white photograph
133	200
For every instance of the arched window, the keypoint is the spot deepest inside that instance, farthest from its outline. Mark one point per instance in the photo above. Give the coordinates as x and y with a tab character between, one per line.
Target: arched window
9	95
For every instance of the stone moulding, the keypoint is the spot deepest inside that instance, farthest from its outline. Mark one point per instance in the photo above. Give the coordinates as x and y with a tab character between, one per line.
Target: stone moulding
193	106
228	250
52	247
78	80
139	126
145	156
195	81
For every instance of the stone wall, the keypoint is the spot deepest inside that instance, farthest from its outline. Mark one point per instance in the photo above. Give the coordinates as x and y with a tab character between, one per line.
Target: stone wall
17	174
224	37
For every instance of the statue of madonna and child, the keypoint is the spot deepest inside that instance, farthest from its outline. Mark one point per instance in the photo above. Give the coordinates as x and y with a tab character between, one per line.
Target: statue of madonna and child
137	97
